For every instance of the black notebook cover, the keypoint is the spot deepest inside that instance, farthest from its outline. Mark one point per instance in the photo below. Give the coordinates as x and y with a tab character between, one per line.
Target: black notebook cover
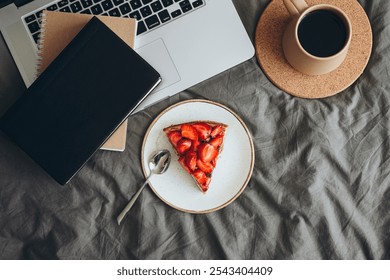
78	102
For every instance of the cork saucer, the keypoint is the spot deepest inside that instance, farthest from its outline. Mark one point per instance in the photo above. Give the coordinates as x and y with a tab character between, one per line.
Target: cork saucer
270	55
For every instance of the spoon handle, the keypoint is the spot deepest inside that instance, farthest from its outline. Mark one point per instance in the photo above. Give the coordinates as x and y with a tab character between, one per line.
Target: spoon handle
122	215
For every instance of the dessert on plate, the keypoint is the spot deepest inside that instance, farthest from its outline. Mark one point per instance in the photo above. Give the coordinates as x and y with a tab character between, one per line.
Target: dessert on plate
198	145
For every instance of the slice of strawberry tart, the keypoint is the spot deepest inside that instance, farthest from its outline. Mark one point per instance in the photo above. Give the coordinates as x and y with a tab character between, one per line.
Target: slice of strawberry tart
198	145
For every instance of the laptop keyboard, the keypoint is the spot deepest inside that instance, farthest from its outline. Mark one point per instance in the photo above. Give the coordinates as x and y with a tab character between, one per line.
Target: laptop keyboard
150	14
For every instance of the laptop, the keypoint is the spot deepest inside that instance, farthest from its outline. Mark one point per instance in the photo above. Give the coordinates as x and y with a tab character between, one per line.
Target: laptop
186	41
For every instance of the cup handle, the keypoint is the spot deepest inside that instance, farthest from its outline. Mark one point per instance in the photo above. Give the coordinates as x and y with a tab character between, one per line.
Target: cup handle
295	7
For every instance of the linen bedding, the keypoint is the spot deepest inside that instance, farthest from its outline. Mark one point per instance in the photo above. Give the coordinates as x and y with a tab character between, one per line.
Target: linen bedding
320	187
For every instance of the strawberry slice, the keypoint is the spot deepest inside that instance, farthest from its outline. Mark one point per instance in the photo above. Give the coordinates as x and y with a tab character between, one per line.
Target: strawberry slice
214	162
217	141
207	152
174	137
182	161
205	187
195	145
189	132
206	167
203	130
191	160
216	130
183	146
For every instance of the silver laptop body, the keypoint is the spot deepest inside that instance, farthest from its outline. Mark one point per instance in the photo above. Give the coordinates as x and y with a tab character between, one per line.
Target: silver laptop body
185	51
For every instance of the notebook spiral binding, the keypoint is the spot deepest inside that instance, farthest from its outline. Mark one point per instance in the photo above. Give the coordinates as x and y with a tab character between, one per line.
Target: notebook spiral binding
41	41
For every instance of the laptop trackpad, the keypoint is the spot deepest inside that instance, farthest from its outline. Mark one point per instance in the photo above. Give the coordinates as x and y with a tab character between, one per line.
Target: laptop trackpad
157	55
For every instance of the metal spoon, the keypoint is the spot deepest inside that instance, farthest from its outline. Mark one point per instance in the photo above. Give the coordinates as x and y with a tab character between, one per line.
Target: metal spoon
158	164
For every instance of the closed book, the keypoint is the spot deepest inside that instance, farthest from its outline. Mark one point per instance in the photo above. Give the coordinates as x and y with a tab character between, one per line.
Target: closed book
76	104
59	28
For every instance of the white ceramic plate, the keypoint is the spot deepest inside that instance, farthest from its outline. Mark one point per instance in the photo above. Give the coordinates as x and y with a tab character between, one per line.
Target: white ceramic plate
235	164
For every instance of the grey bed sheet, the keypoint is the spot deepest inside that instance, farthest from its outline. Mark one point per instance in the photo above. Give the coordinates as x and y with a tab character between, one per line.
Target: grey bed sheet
320	187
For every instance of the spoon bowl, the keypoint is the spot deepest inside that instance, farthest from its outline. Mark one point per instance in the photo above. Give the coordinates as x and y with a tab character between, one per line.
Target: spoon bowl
158	164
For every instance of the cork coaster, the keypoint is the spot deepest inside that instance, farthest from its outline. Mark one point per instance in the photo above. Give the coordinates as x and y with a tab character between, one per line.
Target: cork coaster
270	55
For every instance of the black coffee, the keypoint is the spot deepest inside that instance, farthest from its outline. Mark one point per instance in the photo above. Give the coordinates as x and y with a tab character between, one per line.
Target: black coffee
322	33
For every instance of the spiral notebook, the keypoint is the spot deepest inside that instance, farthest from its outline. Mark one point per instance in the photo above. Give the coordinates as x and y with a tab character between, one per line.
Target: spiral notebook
76	104
59	28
